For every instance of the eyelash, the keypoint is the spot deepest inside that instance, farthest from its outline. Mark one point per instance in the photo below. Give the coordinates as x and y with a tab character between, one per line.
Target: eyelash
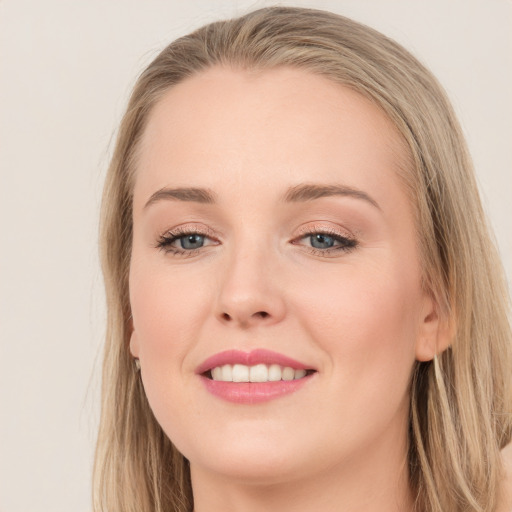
347	243
166	240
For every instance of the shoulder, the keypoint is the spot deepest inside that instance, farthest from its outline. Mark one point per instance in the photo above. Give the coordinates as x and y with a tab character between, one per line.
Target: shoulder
506	500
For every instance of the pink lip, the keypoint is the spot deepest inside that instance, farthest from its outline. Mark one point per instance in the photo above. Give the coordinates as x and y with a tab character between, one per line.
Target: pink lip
258	356
251	392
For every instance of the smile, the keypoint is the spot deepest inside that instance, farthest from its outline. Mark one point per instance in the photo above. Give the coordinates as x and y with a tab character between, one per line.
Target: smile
257	373
252	377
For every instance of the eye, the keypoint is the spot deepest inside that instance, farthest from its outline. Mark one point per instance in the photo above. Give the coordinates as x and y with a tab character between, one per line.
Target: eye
185	242
326	243
322	241
192	241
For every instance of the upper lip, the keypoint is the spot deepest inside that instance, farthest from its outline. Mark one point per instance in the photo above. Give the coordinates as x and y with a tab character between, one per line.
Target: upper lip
254	357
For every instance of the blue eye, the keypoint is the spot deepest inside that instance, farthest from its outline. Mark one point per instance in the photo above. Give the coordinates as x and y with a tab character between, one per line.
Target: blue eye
181	242
189	243
322	241
326	244
192	241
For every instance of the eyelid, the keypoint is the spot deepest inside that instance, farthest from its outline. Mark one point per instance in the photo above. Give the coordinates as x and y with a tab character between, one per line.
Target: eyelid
169	236
328	230
190	228
348	241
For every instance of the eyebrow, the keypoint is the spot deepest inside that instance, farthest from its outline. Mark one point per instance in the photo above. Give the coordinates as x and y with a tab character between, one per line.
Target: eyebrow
297	194
308	192
188	194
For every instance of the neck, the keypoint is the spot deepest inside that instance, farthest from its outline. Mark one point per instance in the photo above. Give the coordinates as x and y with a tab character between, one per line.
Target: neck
377	482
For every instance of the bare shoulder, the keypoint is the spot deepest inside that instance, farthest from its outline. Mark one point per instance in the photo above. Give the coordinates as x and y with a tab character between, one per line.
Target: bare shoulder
506	502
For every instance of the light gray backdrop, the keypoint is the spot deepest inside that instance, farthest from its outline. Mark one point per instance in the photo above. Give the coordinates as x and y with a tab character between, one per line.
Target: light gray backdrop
66	68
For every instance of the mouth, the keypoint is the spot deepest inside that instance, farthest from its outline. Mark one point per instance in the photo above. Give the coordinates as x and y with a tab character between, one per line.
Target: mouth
253	377
256	373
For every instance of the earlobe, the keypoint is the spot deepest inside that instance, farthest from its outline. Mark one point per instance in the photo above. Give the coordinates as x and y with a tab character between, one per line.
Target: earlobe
435	334
134	344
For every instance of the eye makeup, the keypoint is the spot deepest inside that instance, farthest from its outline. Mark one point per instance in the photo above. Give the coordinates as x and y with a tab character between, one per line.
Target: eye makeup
325	241
186	241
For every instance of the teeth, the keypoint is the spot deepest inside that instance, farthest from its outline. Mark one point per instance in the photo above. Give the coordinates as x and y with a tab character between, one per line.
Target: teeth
227	373
299	374
217	373
288	373
240	373
274	372
257	373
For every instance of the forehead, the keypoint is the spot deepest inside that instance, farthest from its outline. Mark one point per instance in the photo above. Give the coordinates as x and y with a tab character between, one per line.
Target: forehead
269	128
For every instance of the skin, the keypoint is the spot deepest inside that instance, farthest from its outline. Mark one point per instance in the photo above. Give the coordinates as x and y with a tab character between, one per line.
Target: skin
359	317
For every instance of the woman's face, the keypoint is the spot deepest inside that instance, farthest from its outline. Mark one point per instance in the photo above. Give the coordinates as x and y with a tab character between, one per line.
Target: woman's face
269	223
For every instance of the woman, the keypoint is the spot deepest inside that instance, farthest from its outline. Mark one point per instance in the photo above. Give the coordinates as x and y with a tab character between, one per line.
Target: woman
306	310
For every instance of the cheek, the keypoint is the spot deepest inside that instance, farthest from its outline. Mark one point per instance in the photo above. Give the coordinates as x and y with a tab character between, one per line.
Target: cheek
366	318
366	324
167	309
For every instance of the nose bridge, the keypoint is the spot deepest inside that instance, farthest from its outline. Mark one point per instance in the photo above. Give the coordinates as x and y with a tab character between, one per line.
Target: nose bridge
249	291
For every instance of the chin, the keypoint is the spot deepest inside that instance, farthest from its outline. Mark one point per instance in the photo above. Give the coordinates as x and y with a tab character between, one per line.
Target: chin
261	461
250	470
247	457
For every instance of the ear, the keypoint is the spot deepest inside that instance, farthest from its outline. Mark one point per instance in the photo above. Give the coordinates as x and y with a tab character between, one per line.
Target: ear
435	331
134	344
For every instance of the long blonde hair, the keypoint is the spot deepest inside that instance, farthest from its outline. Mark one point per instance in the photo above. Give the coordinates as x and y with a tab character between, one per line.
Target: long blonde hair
460	411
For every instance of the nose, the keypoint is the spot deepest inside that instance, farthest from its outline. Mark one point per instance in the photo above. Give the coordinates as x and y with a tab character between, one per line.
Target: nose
250	294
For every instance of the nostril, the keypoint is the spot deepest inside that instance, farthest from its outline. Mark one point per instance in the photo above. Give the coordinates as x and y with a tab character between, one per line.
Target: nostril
226	317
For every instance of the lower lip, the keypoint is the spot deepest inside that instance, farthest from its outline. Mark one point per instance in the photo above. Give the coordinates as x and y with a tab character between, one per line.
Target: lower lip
253	392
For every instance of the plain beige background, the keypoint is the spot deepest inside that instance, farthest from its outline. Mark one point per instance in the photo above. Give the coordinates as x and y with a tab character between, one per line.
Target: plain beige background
66	68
